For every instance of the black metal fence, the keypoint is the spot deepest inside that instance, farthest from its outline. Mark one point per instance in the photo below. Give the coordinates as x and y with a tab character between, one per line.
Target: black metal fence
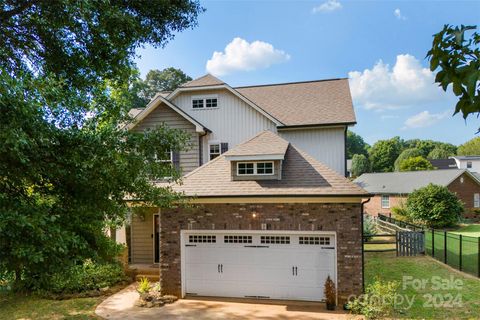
458	251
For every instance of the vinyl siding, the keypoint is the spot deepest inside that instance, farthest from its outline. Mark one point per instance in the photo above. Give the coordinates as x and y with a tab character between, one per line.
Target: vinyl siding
141	239
189	160
326	145
234	121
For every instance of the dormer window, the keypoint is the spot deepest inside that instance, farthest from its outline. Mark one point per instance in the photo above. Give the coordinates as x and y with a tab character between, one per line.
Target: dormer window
206	102
254	168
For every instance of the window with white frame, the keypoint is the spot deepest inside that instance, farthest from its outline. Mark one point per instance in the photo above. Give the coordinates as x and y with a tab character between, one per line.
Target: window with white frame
207	102
214	150
254	168
476	200
469	164
166	157
385	201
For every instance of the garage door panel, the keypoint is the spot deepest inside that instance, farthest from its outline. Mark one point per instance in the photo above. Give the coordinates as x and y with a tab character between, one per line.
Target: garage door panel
287	270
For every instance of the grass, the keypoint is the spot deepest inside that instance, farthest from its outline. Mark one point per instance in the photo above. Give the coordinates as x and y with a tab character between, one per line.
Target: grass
386	266
471	230
379	246
16	306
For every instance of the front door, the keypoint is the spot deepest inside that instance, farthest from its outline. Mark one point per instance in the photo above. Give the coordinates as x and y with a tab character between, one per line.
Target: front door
156	238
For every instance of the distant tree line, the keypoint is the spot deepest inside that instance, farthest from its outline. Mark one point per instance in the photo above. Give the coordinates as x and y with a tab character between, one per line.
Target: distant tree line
396	154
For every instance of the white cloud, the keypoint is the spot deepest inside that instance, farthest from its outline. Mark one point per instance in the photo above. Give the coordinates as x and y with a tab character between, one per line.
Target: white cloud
424	119
398	14
239	55
405	85
328	6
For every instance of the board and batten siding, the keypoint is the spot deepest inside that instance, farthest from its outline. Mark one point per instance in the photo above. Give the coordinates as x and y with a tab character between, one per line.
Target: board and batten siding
190	159
326	145
234	121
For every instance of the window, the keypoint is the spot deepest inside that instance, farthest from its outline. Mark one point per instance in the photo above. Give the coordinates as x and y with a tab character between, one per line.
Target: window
254	168
314	240
469	164
202	239
166	157
476	200
209	102
385	201
237	239
214	150
274	240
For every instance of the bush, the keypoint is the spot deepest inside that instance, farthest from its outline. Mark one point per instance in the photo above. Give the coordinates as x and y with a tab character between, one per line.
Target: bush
378	302
143	286
369	226
434	206
88	276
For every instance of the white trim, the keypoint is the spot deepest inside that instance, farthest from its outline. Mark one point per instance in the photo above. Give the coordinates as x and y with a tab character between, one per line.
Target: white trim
204	99
211	143
184	233
153	249
233	91
381	201
255	169
278	156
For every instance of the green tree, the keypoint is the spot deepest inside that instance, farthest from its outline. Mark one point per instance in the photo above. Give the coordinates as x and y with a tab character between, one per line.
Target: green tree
427	146
434	206
406	154
383	154
470	148
355	145
167	79
415	164
66	166
457	58
440	152
360	165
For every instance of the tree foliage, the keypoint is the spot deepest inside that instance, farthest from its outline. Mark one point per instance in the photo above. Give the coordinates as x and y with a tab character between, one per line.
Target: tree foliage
406	154
440	152
434	206
415	164
427	146
355	145
457	58
66	166
360	165
383	154
470	148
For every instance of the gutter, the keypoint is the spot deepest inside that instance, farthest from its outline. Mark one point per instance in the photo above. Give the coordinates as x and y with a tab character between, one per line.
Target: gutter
363	251
316	125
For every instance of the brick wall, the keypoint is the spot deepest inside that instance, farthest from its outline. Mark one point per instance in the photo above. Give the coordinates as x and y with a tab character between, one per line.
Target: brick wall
342	218
465	191
374	206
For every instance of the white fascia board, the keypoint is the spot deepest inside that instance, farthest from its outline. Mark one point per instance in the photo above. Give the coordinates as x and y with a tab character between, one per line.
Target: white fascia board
262	157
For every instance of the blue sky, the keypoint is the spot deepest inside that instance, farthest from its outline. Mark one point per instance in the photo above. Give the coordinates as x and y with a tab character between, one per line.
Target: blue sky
379	45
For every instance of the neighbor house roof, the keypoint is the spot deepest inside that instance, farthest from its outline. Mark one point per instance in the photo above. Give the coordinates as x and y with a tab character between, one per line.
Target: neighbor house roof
407	182
323	102
444	163
302	175
206	80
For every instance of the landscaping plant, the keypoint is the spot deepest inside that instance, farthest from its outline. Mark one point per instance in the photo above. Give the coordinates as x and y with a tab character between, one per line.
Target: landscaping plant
330	294
369	227
144	286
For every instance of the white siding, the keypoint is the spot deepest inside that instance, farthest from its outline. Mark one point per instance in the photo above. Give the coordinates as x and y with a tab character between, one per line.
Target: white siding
326	145
233	121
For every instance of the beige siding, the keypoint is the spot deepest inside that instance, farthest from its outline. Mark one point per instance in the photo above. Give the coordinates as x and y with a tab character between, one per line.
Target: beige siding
326	145
189	160
234	121
142	238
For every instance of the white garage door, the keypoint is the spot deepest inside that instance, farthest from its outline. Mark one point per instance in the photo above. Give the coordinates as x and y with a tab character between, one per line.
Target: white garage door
266	265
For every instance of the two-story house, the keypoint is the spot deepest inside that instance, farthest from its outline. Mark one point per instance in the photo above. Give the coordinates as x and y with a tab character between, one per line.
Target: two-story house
273	214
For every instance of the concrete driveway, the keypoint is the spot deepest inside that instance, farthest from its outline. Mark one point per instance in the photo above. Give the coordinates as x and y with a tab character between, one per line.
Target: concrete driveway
121	306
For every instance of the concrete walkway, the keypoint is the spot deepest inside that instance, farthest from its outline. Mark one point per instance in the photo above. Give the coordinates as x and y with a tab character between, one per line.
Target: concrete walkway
121	306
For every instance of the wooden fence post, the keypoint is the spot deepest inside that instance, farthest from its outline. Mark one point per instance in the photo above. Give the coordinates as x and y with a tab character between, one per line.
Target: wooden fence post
460	255
445	247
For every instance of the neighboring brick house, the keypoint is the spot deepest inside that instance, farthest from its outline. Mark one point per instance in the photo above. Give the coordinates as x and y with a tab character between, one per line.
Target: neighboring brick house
390	189
266	221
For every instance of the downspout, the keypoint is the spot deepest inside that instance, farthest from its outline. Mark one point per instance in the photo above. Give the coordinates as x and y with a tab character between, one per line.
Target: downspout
200	148
363	252
345	151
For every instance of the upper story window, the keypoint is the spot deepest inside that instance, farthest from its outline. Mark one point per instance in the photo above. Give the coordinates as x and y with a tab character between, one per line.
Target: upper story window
469	164
385	201
255	168
166	157
207	102
216	148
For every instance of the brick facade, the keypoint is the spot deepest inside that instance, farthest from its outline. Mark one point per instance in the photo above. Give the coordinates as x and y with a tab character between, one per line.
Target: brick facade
345	219
374	206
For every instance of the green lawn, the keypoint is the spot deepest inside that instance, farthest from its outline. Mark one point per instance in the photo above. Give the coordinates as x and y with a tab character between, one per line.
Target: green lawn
31	307
386	266
471	230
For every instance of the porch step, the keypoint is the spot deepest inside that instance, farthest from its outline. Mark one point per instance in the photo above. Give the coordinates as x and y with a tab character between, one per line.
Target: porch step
151	277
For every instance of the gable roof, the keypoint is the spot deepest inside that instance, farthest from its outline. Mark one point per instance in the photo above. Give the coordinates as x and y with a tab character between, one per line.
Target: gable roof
265	144
443	163
322	102
153	104
407	182
206	80
302	175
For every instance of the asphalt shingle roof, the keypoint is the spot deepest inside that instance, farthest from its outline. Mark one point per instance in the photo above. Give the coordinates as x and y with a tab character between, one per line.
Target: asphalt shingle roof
405	182
302	175
264	143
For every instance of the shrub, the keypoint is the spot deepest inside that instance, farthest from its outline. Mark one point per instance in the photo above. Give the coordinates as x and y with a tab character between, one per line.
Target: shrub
84	277
330	293
378	302
368	226
434	206
143	286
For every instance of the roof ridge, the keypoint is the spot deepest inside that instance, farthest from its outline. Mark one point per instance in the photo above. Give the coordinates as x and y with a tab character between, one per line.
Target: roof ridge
287	83
204	76
414	171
